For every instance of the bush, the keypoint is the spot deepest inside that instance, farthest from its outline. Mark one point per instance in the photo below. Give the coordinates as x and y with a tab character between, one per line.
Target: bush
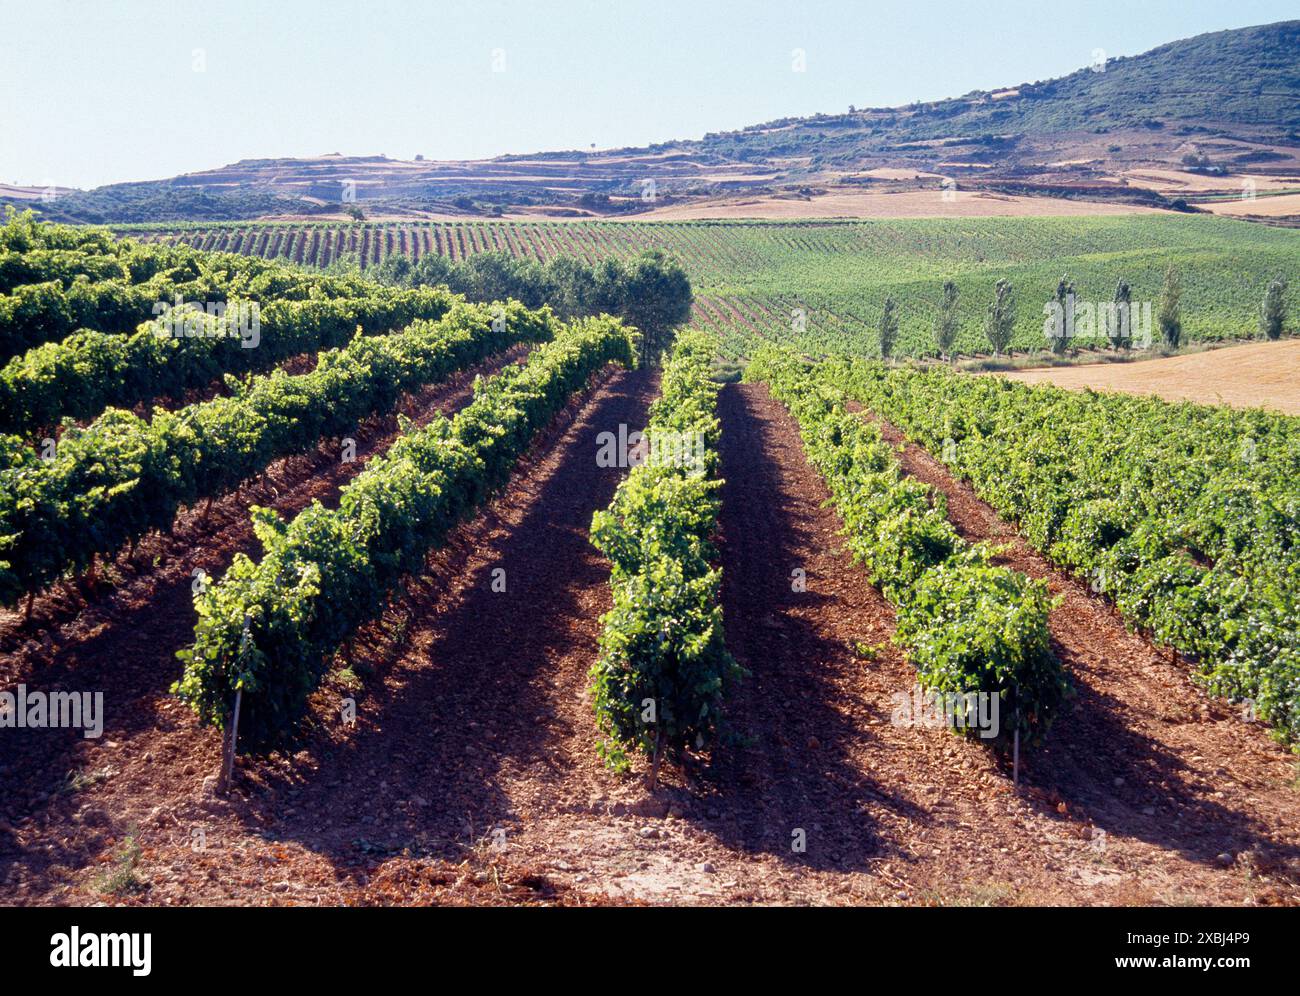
972	627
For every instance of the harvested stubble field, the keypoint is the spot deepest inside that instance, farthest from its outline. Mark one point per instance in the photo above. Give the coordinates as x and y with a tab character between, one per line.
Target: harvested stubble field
1249	375
929	203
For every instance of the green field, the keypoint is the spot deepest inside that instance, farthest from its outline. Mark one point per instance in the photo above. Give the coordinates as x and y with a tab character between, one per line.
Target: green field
755	279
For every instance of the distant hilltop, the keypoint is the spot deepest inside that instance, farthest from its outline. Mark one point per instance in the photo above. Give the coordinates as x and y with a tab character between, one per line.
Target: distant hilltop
1215	104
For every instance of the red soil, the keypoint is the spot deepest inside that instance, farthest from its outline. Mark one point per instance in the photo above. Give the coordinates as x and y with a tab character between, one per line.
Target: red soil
471	772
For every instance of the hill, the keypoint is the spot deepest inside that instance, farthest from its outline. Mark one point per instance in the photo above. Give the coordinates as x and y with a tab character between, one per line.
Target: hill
1219	105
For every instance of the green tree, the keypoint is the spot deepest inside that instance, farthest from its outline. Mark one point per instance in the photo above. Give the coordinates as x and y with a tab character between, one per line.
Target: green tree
945	330
394	269
656	298
1119	319
431	270
888	329
1168	318
1272	313
651	292
573	286
498	276
1063	319
1001	321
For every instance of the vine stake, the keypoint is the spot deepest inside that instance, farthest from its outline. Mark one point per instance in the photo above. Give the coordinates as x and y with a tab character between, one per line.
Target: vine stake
654	766
1015	753
228	760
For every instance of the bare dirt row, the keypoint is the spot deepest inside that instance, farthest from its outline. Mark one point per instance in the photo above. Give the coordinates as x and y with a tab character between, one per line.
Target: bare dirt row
411	777
471	771
208	537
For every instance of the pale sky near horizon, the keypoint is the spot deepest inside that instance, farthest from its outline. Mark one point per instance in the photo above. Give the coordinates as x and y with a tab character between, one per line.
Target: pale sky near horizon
103	92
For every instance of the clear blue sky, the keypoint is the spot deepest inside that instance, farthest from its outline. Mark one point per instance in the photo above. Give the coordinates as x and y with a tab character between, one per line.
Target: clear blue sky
95	91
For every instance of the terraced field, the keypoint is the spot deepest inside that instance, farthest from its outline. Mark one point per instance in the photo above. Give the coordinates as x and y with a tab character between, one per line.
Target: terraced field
822	284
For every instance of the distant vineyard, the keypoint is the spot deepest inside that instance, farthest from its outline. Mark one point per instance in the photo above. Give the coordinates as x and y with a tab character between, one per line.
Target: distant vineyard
822	284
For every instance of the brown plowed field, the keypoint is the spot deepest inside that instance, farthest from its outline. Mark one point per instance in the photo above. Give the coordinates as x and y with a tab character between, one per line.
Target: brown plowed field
889	204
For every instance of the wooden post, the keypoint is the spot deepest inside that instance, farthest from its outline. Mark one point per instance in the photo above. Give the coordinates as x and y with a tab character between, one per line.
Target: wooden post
228	761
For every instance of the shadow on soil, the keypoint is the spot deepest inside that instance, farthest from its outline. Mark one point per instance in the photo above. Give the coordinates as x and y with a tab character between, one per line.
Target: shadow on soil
1131	786
791	770
48	774
422	777
1093	761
